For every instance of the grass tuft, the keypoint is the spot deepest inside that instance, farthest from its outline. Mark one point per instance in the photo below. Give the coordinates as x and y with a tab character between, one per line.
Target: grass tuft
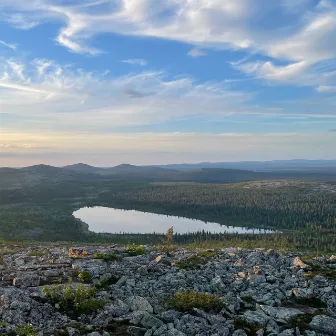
185	301
136	250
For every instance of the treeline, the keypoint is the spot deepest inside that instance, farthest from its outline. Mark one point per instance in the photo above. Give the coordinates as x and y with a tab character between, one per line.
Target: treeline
293	207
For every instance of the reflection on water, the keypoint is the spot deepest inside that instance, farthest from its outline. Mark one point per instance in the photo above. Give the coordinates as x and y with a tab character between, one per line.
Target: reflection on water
101	219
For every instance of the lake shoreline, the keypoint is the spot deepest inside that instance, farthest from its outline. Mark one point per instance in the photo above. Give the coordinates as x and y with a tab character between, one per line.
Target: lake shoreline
105	220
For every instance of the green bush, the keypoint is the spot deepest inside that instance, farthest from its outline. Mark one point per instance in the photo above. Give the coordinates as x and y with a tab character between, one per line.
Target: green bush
192	262
27	330
105	283
84	277
185	301
135	250
3	324
77	299
206	254
105	256
35	254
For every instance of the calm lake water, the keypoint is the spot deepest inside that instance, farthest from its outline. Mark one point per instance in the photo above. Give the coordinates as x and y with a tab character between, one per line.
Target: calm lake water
109	220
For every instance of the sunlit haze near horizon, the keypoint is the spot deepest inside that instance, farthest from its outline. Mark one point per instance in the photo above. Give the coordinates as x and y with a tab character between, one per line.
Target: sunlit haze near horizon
157	82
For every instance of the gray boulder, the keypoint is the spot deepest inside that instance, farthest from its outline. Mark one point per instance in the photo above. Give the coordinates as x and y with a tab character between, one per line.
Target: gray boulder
323	324
138	303
26	280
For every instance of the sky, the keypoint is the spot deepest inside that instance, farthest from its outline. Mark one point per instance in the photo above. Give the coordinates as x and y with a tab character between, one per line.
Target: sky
166	81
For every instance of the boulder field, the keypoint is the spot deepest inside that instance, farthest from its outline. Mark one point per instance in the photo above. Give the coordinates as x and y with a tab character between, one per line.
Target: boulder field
246	292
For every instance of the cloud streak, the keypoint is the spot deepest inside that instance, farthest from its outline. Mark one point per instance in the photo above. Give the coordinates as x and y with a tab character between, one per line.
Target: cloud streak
302	38
195	53
8	45
48	95
136	61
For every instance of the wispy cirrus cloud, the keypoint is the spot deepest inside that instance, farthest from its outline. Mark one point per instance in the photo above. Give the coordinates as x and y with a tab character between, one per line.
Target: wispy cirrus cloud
195	52
302	38
43	94
326	88
8	45
136	61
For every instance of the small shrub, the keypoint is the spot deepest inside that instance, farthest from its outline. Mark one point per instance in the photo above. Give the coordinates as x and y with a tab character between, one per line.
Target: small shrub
135	250
35	254
206	254
168	241
305	302
105	256
84	277
74	272
185	301
250	329
192	262
248	299
105	284
302	321
3	324
26	330
77	299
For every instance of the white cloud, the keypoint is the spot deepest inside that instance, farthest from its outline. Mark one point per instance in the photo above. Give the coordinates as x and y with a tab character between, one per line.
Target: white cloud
57	95
136	61
17	68
8	45
326	89
19	21
195	52
64	97
302	38
267	70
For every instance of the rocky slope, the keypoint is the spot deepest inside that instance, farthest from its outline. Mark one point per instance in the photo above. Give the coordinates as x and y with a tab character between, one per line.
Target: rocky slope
256	292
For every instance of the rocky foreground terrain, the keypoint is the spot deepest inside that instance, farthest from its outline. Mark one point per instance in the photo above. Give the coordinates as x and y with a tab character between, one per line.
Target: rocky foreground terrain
141	291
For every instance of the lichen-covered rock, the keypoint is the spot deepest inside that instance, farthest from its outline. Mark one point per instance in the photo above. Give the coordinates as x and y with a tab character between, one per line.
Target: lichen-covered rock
323	324
26	280
138	303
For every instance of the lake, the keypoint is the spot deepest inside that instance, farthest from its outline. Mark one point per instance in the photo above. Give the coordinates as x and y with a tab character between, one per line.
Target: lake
110	220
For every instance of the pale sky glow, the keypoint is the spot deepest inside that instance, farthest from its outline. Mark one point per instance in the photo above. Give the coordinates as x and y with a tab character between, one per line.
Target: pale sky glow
150	81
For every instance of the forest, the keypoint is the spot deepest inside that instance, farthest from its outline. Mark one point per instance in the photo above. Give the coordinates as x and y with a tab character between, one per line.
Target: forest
302	212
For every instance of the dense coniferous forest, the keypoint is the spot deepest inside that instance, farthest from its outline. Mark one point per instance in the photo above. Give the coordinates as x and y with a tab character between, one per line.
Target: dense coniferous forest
303	212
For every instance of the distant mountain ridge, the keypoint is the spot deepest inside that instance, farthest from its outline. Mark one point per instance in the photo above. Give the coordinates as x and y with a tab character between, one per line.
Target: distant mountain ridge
182	173
275	165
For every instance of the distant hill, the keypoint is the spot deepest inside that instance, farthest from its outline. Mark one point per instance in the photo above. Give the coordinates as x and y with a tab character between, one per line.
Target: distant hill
83	168
276	165
12	178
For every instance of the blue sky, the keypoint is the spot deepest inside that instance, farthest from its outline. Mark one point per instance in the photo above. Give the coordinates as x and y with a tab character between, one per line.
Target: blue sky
151	81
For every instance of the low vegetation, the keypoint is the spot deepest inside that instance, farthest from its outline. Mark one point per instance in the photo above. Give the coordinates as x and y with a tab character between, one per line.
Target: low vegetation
302	321
105	256
135	250
250	329
27	330
304	302
84	277
185	301
73	299
195	261
3	324
35	254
